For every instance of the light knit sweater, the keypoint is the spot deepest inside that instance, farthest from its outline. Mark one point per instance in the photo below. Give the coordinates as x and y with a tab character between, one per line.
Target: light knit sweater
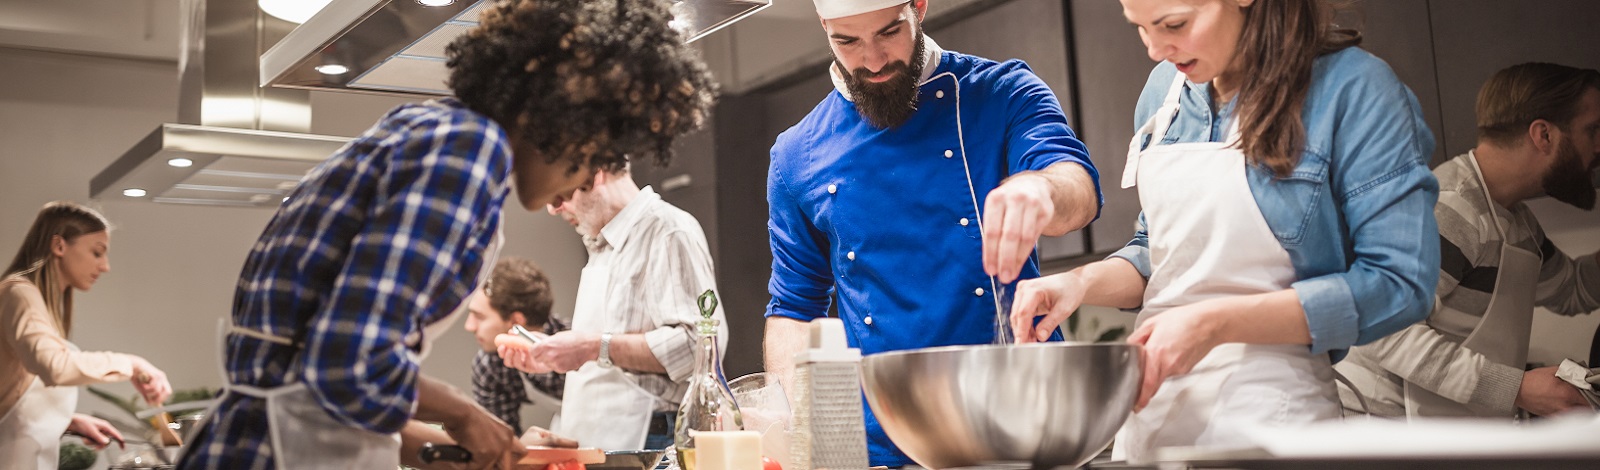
34	347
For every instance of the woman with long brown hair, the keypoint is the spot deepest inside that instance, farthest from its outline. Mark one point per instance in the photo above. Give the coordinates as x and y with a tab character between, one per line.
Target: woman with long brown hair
40	370
1288	215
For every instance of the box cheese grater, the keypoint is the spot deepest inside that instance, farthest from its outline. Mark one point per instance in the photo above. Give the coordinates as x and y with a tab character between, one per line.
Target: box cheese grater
829	430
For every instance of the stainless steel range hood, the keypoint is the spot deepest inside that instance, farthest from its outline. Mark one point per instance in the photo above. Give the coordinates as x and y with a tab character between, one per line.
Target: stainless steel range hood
397	46
236	143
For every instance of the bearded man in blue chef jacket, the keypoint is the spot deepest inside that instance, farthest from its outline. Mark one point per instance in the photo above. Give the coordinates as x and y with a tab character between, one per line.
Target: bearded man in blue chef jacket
875	194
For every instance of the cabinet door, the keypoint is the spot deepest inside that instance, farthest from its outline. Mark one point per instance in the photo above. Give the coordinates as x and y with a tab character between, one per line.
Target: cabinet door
1399	32
1112	67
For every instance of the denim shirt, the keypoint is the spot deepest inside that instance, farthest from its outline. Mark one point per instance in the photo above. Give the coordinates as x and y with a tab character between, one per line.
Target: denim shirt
1355	214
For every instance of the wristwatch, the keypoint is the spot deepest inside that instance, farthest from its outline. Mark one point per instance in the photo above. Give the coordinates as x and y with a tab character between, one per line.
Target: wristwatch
605	349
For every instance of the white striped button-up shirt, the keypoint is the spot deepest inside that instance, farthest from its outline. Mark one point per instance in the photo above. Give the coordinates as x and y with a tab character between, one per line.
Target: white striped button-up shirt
659	263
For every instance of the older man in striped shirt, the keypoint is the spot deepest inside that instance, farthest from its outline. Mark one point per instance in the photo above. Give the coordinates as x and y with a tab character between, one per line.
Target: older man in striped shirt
1538	134
630	352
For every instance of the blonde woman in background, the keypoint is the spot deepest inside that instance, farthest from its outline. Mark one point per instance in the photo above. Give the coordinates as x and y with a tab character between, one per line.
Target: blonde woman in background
40	370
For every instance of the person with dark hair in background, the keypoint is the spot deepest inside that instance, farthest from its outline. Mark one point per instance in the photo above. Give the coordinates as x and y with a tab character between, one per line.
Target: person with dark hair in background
915	192
66	249
516	293
1283	177
366	261
1538	134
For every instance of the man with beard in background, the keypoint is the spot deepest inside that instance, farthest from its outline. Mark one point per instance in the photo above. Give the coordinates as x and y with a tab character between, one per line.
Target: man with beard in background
1538	134
874	195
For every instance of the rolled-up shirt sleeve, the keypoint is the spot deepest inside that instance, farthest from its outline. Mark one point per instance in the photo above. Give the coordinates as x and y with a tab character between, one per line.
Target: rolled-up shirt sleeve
1387	194
1137	251
682	270
1037	135
802	278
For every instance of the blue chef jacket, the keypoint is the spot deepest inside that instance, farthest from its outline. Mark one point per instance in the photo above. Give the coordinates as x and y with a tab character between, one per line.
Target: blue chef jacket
889	219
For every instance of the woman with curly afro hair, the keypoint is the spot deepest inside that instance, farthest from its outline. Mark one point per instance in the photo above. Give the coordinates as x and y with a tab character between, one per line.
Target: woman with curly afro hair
366	260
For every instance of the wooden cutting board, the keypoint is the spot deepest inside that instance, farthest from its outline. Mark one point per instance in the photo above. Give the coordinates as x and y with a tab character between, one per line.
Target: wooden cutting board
541	455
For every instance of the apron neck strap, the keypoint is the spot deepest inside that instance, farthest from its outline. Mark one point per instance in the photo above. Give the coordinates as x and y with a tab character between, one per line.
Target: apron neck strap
1162	120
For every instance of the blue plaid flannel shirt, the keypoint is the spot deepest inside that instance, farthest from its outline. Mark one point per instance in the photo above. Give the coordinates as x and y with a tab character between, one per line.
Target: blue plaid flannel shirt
384	237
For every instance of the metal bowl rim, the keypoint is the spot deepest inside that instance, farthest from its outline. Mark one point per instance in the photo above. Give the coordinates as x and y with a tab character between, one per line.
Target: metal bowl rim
986	347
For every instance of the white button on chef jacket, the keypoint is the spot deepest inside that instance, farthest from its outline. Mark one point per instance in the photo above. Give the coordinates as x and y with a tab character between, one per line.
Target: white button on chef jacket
978	292
851	255
833	188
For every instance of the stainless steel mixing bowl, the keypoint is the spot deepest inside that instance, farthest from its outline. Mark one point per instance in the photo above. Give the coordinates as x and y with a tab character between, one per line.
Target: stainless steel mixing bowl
1046	405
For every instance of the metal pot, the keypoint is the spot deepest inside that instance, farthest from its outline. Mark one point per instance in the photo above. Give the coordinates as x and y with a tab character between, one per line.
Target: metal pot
1046	405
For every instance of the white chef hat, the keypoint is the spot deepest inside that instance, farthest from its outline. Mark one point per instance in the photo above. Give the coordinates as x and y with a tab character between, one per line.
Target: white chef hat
830	9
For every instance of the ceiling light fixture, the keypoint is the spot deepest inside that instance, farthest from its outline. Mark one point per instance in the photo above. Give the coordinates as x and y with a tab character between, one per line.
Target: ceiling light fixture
180	163
398	47
332	69
296	11
133	192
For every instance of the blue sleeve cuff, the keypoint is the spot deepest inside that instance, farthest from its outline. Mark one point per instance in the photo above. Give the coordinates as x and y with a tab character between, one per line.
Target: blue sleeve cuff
1138	256
1330	312
777	309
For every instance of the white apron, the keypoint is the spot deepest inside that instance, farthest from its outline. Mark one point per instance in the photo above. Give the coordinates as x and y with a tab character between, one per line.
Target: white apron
30	434
303	435
1502	335
1208	240
602	407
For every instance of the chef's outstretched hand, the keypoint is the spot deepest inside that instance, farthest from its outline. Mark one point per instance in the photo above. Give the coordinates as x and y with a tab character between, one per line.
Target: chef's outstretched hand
1053	297
1014	215
1173	342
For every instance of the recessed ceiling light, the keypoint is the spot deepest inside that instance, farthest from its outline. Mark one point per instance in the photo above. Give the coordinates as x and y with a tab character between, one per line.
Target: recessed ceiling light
133	192
296	11
435	3
180	162
332	69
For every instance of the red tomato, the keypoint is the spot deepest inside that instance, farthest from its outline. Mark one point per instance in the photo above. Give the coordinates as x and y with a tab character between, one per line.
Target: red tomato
566	465
768	464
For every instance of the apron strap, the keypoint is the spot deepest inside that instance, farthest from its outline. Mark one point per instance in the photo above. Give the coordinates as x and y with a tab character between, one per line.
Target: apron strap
1156	127
258	334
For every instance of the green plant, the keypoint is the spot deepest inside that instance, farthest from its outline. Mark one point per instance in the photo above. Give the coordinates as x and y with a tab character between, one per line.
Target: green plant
1092	332
75	456
131	403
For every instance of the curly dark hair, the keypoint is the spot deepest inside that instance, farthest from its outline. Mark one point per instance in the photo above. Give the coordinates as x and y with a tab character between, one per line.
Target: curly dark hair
593	81
517	285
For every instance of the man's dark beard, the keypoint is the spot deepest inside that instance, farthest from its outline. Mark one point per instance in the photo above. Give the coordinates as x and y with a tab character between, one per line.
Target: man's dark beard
1568	181
891	103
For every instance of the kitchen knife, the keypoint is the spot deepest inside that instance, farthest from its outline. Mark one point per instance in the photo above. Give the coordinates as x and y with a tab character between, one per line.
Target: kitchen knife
537	455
